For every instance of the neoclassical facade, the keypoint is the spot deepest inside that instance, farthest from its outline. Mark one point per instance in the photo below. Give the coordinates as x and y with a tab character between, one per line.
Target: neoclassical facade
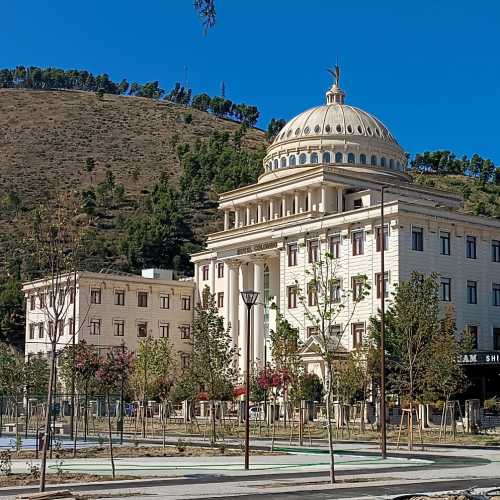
320	191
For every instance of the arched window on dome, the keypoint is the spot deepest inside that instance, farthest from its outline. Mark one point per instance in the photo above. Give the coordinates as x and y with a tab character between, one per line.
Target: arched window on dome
351	158
326	157
398	166
382	161
362	159
283	162
373	161
275	163
302	159
391	164
338	157
292	161
314	157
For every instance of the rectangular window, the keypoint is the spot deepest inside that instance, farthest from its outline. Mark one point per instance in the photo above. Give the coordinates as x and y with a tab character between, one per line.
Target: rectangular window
496	339
335	247
292	254
358	246
184	361
95	295
312	294
164	330
358	203
119	327
72	295
495	251
292	297
164	301
51	300
470	247
471	292
496	294
220	299
41	300
204	272
220	270
71	326
32	331
445	289
313	250
386	238
378	281
311	331
186	303
142	299
417	239
185	332
51	330
473	332
142	329
444	243
61	297
95	327
336	292
357	288
336	331
119	297
32	303
358	331
40	330
60	327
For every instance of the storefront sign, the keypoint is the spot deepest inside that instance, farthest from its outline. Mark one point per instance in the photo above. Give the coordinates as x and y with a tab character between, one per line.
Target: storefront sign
481	358
259	247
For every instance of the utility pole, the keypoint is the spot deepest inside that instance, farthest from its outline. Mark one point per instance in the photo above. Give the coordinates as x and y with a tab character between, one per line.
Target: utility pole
383	434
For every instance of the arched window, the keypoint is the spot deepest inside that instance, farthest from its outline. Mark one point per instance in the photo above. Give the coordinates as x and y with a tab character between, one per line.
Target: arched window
326	157
350	158
399	166
338	157
275	163
382	161
314	157
283	162
292	161
391	163
373	161
302	159
362	159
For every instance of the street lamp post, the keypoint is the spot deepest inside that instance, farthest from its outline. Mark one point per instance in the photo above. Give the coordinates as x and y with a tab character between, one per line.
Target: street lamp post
249	298
383	434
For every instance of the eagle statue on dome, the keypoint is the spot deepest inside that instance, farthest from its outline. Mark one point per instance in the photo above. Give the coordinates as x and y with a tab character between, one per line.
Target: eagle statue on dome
335	72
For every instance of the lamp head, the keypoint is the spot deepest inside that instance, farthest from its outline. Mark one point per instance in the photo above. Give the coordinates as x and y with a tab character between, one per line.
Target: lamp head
249	297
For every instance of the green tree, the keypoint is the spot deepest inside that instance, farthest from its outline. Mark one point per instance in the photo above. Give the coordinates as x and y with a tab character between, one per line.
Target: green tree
90	165
12	315
273	128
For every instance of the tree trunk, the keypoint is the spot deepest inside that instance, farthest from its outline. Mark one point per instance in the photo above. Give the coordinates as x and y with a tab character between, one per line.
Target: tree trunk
110	433
329	425
43	465
213	423
76	413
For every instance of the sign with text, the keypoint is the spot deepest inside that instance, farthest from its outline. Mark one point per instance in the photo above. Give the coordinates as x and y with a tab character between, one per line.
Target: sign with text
481	358
259	247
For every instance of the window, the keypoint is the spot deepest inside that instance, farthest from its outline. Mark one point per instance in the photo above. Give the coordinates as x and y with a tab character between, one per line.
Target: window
220	270
302	159
51	300
382	162
314	158
496	339
292	254
72	295
335	292
313	250
41	300
350	158
312	294
118	327
184	361
32	303
362	159
338	157
471	292
186	303
391	164
444	242
275	163
165	301
71	326
220	299
40	330
61	297
60	327
292	161
358	203
311	331
142	329
373	161
336	331
95	295
417	239
335	247
95	327
185	332
496	294
358	330
164	330
292	297
378	238
473	333
32	331
142	299
119	297
357	288
495	251
204	272
283	162
378	281
326	157
470	247
358	243
445	289
51	329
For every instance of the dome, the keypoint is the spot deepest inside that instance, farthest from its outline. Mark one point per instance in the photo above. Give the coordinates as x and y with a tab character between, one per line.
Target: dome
336	133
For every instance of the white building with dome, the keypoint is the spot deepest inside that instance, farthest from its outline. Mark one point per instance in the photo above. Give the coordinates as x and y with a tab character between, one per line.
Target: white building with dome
320	191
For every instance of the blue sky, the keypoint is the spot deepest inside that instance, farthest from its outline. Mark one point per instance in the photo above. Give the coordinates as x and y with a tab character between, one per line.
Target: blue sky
428	69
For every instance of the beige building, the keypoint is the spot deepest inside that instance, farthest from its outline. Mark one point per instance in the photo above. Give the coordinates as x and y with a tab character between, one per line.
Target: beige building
320	191
111	309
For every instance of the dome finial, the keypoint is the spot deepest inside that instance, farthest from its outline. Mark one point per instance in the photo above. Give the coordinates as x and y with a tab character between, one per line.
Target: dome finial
335	94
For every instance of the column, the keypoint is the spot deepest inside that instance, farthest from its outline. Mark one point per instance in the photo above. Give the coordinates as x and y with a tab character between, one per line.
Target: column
309	200
197	297
227	294
242	331
248	214
233	300
259	212
212	276
258	312
297	202
340	199
323	198
237	218
271	209
226	220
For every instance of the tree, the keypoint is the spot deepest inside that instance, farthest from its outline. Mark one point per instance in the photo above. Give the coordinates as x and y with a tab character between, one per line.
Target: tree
206	10
212	359
201	102
90	165
275	125
12	315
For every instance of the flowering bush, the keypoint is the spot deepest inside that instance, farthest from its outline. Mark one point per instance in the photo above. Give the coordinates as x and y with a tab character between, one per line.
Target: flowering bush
274	380
114	367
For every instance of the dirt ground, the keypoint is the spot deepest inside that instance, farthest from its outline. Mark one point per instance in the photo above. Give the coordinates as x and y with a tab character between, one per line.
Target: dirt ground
32	479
